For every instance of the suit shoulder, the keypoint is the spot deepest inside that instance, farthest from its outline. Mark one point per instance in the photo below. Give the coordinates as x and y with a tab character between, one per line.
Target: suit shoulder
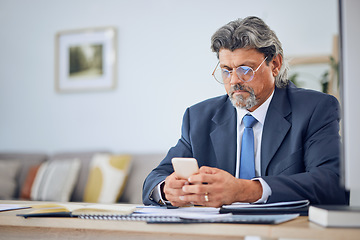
309	97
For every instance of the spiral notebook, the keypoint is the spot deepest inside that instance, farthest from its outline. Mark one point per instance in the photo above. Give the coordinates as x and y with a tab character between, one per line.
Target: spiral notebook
219	218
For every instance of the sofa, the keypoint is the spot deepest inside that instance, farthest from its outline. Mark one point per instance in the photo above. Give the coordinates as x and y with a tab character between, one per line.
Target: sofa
15	170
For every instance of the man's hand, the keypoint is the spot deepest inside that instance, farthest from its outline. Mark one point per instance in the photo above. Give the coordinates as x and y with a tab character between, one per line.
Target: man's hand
173	190
220	188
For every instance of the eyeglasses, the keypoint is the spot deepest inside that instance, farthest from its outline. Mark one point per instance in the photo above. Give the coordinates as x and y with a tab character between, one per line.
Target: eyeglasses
244	73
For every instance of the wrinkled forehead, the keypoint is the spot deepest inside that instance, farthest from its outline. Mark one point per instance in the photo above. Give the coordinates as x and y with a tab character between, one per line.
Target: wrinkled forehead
239	57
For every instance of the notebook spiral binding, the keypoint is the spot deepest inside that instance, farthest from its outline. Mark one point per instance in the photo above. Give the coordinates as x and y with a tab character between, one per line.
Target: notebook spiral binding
130	217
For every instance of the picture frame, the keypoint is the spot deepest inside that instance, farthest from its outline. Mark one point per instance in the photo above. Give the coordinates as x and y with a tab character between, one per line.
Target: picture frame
85	59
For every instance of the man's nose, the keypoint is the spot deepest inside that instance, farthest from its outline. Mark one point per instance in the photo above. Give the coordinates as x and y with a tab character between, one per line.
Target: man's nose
234	79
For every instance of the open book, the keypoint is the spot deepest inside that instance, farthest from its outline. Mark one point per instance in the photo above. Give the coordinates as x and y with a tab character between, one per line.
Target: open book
74	210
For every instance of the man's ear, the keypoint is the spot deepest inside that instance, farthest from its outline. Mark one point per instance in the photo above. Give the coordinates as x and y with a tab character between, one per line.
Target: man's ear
276	64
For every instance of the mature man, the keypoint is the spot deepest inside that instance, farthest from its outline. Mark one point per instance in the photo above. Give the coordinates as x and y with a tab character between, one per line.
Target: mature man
265	141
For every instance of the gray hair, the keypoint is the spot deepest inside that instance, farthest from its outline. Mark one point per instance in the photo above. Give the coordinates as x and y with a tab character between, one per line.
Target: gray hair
251	33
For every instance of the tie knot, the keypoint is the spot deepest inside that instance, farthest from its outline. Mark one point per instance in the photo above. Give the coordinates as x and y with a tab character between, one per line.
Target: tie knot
249	121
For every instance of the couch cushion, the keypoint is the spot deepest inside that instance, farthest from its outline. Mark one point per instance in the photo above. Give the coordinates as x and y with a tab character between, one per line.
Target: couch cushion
25	193
85	157
55	180
107	178
142	164
27	160
8	173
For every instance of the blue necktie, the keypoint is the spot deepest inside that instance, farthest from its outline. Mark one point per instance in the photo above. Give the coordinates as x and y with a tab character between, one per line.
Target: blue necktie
247	156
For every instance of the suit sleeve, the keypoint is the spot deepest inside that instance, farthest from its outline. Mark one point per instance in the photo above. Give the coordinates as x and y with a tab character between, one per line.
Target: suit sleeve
320	156
164	169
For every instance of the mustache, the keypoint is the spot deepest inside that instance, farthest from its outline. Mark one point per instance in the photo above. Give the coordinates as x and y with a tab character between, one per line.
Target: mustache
238	87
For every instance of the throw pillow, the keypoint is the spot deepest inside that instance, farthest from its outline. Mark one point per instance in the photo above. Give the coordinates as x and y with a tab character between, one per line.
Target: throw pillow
8	173
25	193
107	178
55	180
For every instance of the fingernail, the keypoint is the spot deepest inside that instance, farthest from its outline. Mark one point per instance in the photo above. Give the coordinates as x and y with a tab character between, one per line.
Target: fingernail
181	198
186	183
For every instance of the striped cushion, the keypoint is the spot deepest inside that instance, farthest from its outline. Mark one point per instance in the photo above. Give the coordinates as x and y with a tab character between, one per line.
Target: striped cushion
55	180
107	178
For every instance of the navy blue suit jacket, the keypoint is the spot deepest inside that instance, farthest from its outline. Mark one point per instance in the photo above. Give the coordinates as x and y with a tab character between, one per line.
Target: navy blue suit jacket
300	147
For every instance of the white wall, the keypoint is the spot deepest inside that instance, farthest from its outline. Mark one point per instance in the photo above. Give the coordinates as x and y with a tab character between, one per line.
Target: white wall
164	65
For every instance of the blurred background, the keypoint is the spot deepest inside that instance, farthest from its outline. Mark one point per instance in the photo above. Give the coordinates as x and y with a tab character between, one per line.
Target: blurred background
164	65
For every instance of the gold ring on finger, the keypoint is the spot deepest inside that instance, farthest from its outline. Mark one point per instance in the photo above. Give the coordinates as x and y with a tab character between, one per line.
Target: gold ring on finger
206	197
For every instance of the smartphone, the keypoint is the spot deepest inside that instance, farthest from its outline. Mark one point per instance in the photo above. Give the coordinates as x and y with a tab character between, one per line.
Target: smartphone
185	167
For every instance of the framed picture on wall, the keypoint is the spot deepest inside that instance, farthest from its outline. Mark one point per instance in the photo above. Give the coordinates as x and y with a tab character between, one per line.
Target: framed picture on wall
85	60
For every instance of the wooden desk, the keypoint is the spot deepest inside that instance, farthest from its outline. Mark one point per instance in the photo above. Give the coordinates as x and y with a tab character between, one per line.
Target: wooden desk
13	227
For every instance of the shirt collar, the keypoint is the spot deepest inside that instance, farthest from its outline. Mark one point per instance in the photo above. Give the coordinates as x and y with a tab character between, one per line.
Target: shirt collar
259	113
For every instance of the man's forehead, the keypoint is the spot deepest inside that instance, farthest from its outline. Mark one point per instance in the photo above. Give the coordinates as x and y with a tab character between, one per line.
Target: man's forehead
239	56
238	51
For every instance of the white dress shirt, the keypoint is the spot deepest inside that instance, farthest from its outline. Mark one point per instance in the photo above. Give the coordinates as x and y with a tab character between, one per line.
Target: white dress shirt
259	114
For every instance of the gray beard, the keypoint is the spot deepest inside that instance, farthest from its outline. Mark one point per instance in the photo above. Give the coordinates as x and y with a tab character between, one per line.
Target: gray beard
239	101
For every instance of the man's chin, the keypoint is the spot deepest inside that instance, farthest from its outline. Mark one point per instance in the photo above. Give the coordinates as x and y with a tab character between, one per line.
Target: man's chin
238	103
242	103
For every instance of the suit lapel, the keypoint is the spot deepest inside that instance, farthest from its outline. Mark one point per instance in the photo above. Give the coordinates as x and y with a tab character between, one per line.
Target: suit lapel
223	137
275	128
